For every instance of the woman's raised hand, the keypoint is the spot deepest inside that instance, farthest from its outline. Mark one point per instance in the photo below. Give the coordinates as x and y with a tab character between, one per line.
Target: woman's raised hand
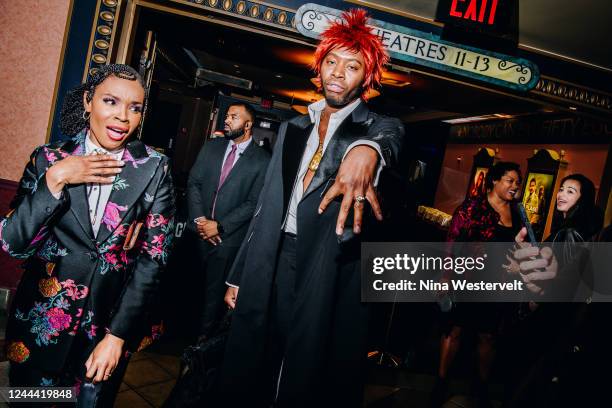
100	169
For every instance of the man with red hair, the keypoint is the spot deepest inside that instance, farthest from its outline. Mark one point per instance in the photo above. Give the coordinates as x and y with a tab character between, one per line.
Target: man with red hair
299	329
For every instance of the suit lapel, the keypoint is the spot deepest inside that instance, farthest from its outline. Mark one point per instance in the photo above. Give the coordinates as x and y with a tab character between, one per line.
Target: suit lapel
78	193
294	145
80	207
138	171
348	132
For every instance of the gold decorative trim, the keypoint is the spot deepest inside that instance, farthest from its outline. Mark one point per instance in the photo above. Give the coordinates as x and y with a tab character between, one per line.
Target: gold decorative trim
101	44
274	6
127	23
107	16
102	35
97	22
104	30
58	73
99	59
241	7
573	93
268	14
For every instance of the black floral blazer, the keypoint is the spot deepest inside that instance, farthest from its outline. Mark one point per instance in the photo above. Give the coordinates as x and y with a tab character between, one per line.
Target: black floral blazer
78	284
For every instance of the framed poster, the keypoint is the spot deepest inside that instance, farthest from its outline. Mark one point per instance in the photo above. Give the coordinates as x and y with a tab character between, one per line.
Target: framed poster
539	189
477	183
536	199
483	160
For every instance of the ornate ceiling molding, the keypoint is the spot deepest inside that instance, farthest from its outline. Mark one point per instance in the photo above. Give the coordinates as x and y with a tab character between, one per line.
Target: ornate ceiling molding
573	94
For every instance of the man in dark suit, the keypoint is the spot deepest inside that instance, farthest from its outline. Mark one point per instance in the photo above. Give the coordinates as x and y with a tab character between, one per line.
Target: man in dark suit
299	329
222	192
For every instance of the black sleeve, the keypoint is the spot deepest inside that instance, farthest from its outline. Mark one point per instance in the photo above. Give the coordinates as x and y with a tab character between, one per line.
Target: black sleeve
389	134
32	213
195	202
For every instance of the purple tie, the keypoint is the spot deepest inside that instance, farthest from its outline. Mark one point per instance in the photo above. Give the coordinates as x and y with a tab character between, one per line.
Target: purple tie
227	166
225	171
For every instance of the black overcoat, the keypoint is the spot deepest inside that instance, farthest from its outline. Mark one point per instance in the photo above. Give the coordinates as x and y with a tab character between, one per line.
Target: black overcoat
326	345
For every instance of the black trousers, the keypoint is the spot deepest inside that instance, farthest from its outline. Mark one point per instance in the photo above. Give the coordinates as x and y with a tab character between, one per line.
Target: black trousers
283	293
215	263
281	307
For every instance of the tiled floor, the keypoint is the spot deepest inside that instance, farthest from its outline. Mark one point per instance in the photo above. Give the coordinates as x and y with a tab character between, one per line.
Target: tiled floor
151	375
400	388
148	380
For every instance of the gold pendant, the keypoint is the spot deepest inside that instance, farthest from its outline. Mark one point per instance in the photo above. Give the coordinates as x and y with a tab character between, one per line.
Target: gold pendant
314	162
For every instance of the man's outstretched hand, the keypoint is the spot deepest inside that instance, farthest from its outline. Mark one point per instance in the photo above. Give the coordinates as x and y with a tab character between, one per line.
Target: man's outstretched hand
354	182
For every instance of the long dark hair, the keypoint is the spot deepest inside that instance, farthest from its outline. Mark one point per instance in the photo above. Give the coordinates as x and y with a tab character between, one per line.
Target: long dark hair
584	216
72	116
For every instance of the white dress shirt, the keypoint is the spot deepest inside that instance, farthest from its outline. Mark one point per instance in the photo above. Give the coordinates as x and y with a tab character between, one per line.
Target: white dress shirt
98	191
335	119
97	194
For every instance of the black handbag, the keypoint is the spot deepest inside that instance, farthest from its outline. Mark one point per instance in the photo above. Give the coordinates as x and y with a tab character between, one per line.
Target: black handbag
200	365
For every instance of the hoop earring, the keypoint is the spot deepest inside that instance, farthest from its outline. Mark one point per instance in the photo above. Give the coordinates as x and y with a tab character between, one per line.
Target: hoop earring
86	115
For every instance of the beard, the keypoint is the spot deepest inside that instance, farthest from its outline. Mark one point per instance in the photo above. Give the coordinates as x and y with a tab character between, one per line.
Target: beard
233	133
342	100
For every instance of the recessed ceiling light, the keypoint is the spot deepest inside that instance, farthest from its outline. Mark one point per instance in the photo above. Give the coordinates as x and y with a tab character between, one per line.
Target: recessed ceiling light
237	71
236	66
278	75
573	108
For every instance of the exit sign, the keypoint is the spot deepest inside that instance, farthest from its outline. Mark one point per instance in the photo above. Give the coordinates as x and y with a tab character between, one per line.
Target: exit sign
480	22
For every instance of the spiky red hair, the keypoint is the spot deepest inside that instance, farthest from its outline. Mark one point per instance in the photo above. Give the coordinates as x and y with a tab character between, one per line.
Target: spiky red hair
353	33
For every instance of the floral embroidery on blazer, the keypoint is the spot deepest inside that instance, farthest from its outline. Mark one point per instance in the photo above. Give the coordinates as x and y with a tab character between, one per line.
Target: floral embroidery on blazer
78	284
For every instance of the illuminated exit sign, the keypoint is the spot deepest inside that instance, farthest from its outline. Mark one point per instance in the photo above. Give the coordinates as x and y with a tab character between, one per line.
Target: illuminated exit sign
430	50
474	10
492	18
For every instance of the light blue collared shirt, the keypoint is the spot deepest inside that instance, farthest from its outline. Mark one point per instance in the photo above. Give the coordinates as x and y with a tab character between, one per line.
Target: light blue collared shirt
240	148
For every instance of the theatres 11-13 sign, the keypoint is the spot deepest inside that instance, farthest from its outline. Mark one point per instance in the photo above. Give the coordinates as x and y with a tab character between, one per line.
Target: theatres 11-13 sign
427	49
